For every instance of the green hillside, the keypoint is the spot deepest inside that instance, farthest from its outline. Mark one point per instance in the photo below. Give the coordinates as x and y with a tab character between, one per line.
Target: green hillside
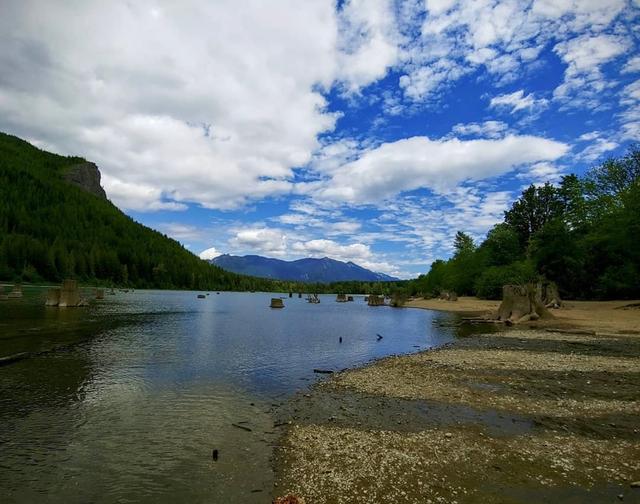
51	230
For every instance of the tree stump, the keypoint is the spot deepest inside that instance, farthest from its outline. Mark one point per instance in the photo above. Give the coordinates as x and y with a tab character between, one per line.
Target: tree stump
548	293
521	303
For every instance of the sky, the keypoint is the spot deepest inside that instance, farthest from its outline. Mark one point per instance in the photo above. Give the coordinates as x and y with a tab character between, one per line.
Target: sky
366	131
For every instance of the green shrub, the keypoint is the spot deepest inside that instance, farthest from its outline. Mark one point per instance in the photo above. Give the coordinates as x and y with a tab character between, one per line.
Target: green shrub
489	284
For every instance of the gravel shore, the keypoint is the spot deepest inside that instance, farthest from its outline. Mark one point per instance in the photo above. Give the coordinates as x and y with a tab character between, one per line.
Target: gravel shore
524	415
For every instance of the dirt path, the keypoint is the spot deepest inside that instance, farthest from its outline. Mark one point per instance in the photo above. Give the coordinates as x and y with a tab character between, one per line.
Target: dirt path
520	416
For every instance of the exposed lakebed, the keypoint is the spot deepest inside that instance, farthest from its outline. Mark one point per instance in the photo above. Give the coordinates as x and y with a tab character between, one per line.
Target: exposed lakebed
126	399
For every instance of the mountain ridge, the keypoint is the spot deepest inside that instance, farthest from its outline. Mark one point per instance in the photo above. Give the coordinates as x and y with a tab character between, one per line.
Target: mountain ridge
310	269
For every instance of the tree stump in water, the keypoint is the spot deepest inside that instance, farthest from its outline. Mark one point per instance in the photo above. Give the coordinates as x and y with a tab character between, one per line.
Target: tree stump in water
375	300
69	294
276	303
521	303
53	297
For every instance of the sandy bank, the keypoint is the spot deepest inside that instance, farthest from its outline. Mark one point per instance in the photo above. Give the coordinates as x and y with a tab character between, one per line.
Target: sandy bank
601	316
518	416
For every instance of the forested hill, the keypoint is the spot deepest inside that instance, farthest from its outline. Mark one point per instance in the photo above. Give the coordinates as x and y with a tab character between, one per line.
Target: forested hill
51	229
583	234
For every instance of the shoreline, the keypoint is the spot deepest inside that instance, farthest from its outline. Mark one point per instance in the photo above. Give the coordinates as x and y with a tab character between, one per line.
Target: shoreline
519	415
607	317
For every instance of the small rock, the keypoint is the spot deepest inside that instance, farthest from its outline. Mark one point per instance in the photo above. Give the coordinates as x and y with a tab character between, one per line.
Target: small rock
635	484
448	435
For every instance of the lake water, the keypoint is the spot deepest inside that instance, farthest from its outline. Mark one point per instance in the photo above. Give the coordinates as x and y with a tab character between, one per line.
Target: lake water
125	400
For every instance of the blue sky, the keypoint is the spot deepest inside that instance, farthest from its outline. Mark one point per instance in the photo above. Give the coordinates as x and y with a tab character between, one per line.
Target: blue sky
368	131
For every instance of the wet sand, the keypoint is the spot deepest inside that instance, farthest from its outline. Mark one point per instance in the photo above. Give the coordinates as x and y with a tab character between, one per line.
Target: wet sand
522	415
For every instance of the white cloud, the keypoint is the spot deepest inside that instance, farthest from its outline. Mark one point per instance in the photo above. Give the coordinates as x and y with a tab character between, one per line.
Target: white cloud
597	149
370	42
517	101
540	173
202	101
385	171
631	66
630	116
502	37
587	137
487	129
584	55
358	253
210	253
268	241
181	232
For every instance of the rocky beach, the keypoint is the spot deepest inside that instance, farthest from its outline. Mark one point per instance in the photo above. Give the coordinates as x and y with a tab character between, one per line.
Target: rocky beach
547	413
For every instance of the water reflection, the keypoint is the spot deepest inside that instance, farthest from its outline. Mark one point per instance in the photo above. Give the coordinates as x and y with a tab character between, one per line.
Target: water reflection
144	385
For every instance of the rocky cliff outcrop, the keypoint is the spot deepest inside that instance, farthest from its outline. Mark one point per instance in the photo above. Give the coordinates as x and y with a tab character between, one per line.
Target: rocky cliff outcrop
87	177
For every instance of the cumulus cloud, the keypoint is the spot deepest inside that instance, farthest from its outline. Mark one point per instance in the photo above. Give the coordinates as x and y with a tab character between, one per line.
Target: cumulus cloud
385	171
210	253
264	240
200	102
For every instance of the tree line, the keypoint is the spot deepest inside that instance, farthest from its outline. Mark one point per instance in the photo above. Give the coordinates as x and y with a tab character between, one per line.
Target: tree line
583	234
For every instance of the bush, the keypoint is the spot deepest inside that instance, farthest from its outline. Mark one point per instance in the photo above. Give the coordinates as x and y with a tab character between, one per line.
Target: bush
489	284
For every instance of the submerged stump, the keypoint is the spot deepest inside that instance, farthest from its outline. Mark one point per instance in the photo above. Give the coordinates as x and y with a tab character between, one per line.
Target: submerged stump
375	300
69	294
276	303
53	297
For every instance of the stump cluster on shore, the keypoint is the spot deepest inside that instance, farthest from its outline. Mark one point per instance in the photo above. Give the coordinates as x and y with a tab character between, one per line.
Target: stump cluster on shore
448	295
521	303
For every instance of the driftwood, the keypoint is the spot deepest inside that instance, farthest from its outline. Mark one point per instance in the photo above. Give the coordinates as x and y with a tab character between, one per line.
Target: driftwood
520	303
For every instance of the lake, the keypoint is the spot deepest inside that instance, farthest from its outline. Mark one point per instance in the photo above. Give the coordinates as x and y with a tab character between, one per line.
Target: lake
124	401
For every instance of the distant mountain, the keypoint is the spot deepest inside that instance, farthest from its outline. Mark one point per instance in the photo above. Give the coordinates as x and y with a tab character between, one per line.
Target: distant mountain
303	270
